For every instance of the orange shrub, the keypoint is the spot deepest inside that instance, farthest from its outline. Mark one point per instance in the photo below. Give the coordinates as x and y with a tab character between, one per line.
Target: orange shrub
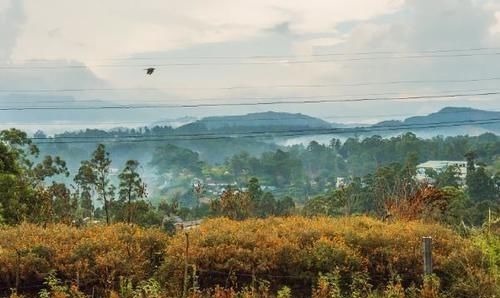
93	257
294	251
255	257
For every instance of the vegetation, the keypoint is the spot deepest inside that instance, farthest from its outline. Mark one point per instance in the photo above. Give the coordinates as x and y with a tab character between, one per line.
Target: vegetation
307	256
280	227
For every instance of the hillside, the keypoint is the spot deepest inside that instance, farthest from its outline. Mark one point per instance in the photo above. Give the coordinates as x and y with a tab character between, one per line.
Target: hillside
466	121
250	122
448	121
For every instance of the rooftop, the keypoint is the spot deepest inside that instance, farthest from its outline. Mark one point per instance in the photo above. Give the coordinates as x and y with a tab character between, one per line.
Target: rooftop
442	163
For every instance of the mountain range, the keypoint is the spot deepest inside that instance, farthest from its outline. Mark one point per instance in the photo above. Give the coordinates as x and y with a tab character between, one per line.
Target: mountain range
447	121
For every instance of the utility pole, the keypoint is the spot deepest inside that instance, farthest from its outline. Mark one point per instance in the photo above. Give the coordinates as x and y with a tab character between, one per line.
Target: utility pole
427	250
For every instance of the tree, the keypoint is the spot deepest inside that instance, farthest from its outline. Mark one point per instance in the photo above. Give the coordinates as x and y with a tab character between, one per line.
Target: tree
25	195
470	157
266	206
319	205
254	189
233	204
172	158
480	185
84	179
131	186
449	177
93	174
285	206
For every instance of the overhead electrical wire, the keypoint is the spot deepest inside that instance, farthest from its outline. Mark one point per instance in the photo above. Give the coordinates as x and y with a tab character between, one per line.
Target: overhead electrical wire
380	52
277	56
281	62
449	53
149	101
291	59
257	134
346	84
220	119
259	103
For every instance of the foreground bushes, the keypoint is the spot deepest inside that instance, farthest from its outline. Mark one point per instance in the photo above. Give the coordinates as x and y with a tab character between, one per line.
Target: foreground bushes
355	252
93	258
275	257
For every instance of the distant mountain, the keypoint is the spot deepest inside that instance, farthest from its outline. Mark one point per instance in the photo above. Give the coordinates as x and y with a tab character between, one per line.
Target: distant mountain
270	121
448	121
174	122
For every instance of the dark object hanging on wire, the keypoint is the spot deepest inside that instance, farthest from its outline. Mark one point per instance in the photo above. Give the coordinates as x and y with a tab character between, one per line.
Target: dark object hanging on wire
149	71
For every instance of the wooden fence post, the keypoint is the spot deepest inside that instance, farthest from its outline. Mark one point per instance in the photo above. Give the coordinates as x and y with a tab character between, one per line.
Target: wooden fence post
427	250
186	265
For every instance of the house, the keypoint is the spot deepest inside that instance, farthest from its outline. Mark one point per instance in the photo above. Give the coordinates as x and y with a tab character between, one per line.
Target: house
341	182
439	166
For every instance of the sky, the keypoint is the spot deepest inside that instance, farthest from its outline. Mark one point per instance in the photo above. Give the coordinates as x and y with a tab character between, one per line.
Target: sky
235	51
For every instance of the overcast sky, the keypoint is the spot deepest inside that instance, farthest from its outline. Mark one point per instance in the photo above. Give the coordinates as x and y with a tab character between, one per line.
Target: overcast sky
112	41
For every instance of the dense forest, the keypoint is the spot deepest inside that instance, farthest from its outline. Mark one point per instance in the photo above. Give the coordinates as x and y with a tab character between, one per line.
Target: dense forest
279	223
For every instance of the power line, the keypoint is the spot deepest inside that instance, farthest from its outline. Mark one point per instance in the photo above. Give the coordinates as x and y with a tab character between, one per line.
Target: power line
262	134
346	84
274	102
281	62
212	119
379	52
147	101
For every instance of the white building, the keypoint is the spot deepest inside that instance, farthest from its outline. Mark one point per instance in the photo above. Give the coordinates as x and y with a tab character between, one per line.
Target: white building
439	166
341	182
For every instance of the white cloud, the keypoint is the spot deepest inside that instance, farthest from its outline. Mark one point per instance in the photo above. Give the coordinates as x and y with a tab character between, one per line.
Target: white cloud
3	5
496	27
11	20
94	29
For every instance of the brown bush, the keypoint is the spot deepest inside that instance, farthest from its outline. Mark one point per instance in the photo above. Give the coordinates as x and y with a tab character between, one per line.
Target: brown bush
294	251
93	257
342	255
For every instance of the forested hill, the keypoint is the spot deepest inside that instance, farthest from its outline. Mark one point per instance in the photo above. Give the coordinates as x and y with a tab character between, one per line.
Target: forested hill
467	120
448	121
268	120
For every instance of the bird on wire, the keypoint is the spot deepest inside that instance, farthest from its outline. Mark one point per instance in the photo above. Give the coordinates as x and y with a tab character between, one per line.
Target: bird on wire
149	71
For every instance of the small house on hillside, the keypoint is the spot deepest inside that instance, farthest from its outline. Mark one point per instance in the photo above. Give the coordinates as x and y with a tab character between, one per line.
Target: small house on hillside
439	166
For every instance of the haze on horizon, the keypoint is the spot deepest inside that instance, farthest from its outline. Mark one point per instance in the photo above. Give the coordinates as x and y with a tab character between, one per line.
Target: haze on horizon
201	50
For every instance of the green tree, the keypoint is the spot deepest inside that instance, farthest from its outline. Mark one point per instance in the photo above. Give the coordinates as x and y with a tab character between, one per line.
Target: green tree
319	205
233	204
470	157
172	158
94	174
84	179
449	177
25	194
254	189
131	186
267	205
285	206
480	185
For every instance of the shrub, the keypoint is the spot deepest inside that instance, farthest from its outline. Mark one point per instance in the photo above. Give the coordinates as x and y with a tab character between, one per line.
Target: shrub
96	256
363	252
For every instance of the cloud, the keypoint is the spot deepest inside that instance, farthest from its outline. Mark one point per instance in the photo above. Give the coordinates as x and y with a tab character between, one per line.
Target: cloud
95	29
12	18
417	25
